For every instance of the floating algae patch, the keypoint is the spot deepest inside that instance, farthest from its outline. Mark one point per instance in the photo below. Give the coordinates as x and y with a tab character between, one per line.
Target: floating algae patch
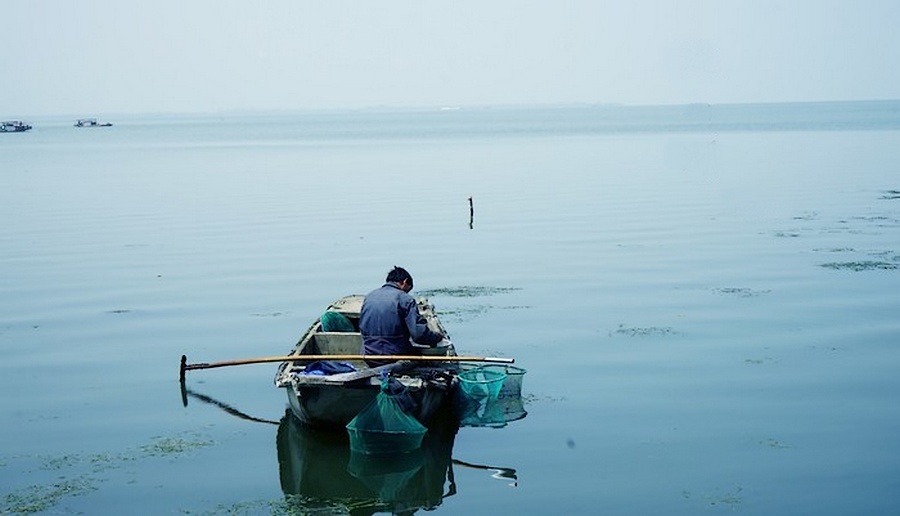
469	312
775	444
75	474
535	399
41	498
835	250
470	291
873	218
865	265
760	361
807	216
97	462
291	505
740	292
251	507
729	499
463	313
646	331
63	461
104	461
166	446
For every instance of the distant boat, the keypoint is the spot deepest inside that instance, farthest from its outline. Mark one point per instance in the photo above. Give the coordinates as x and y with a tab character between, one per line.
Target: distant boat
14	126
90	122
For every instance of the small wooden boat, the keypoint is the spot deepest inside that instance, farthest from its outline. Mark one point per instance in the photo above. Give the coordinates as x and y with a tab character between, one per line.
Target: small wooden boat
14	126
332	400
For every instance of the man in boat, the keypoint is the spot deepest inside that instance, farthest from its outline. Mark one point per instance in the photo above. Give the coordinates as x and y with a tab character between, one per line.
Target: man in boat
390	320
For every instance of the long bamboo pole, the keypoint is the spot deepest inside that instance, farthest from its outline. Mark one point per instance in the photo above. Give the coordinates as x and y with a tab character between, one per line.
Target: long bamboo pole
294	358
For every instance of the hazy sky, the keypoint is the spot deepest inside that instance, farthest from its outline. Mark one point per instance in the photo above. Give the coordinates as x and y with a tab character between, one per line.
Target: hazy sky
114	56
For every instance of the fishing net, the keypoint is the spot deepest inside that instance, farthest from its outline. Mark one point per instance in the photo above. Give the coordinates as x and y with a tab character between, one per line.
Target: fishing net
481	382
485	410
388	476
336	321
385	425
512	385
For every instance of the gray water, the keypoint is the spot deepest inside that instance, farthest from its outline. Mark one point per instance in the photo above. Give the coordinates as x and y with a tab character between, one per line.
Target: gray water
705	299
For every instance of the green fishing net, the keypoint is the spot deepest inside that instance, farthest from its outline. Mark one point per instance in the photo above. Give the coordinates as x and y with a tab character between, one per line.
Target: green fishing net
390	478
385	426
474	400
336	321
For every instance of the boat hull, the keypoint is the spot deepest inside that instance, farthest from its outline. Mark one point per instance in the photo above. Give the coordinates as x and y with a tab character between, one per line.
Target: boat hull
325	406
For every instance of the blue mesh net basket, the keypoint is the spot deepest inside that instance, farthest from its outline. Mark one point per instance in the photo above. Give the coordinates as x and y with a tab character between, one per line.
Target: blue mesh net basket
481	382
496	413
512	385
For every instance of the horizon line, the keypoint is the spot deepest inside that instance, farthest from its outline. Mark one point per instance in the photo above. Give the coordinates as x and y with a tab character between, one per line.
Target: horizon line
441	108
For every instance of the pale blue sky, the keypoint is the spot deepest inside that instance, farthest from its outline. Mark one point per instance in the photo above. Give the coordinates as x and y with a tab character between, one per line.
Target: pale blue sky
112	56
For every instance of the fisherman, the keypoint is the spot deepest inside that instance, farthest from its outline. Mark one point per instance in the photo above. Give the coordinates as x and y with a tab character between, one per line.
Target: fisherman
390	320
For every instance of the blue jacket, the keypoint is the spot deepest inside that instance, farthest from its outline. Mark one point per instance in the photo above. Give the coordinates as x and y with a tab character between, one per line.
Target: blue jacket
388	320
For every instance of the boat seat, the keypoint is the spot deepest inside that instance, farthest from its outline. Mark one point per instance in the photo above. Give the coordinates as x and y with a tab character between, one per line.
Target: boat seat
338	343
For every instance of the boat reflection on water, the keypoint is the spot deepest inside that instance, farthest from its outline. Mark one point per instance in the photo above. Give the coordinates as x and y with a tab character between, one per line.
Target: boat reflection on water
494	413
320	472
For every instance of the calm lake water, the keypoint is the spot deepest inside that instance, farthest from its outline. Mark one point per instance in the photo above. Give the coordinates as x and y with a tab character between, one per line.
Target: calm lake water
705	298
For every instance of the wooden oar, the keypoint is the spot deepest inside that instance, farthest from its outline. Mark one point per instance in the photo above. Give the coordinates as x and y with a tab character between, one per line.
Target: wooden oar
295	358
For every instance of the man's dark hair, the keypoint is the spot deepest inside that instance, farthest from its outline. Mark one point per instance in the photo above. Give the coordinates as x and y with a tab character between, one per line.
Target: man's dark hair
398	274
